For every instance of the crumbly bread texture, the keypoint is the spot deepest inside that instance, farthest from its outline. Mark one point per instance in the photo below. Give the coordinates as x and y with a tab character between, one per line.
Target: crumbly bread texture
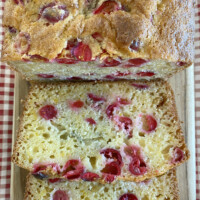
162	188
100	131
70	39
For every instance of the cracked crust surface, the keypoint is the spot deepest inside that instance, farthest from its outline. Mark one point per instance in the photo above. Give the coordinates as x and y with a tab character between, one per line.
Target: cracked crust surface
164	28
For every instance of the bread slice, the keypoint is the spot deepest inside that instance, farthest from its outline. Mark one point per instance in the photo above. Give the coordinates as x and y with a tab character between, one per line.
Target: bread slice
100	131
108	39
162	188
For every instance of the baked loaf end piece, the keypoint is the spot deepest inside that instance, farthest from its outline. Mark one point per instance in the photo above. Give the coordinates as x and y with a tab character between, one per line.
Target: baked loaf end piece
162	188
72	40
100	131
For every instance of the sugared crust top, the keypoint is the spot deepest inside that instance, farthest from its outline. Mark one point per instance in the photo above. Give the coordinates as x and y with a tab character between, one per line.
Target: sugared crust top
164	29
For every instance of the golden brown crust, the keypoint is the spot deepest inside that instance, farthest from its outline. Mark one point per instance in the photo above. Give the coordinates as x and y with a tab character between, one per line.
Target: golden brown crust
164	28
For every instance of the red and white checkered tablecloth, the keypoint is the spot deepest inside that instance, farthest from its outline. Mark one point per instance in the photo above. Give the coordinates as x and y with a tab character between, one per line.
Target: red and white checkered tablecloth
6	113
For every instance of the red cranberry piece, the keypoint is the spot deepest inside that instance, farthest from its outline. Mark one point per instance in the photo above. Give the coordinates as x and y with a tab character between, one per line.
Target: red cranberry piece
137	166
73	169
54	180
123	101
19	2
112	154
112	168
89	176
90	121
120	74
136	62
110	62
178	155
74	78
110	110
110	77
149	123
140	86
54	13
97	36
38	57
82	52
22	43
96	98
124	123
145	74
132	151
71	43
12	29
45	75
135	45
65	61
76	104
107	7
48	112
109	178
60	195
180	63
128	196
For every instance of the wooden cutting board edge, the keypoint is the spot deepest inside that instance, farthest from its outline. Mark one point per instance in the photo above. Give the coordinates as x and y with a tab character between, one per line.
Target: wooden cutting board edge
21	87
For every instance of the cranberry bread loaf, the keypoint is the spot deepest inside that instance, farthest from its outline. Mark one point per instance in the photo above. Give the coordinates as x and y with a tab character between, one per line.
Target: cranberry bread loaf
102	131
162	188
107	39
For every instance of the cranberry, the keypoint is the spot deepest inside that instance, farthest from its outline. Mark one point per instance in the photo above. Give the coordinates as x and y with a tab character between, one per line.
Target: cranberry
137	166
180	63
65	61
110	77
54	13
82	52
136	62
96	98
48	112
12	29
38	57
22	43
60	195
97	36
149	123
110	62
19	2
90	121
123	101
110	110
124	123
110	171
74	78
135	45
89	176
40	175
107	7
140	86
76	104
109	178
45	75
128	196
178	155
120	74
145	74
112	154
71	43
132	151
54	180
73	169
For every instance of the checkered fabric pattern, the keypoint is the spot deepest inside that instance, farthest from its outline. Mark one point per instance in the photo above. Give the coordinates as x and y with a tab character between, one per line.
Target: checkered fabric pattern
6	113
